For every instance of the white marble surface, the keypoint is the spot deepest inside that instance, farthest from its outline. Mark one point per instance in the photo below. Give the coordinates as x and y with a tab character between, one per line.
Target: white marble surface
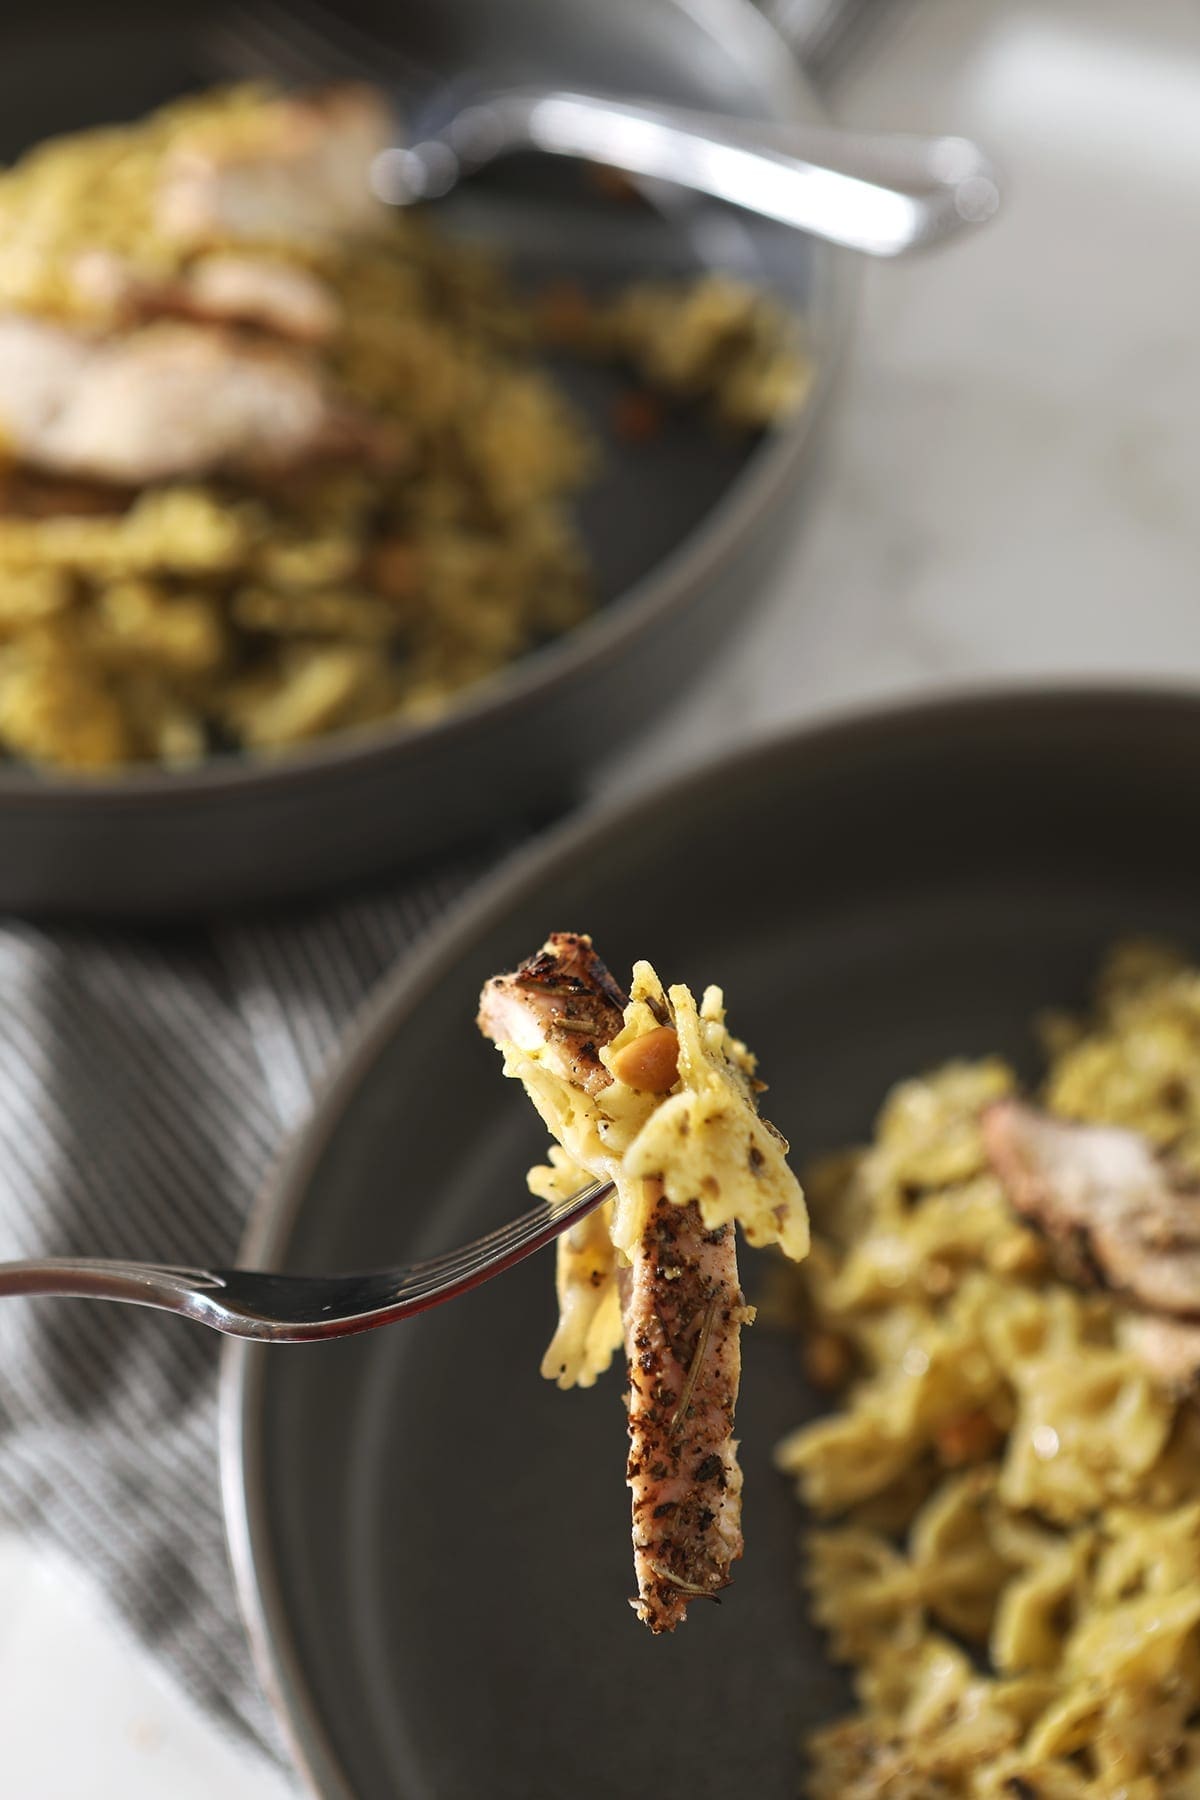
1009	491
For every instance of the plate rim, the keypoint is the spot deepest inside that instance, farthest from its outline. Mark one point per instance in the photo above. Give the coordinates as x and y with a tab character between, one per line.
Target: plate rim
279	1200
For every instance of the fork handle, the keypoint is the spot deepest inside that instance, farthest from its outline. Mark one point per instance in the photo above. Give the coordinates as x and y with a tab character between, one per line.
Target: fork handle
169	1287
880	193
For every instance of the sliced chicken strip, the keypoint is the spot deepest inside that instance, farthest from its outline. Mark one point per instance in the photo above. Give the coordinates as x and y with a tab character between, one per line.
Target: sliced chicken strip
683	1308
563	1000
1105	1201
681	1302
221	288
171	400
295	169
253	290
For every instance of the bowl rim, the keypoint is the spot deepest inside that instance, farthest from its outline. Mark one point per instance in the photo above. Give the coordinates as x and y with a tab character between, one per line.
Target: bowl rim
597	640
274	1211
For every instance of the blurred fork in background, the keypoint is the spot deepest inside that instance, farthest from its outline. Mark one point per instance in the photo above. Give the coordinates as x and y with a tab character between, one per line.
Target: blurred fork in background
879	193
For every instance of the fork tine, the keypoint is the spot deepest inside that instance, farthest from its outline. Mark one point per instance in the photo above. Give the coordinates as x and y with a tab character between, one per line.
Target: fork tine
517	1231
425	1280
546	1212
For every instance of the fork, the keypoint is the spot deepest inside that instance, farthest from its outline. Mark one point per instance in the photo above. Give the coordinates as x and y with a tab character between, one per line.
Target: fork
292	1309
881	193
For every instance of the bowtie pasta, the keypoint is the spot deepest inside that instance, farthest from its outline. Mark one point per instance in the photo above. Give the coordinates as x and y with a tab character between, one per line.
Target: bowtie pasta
1012	1558
276	461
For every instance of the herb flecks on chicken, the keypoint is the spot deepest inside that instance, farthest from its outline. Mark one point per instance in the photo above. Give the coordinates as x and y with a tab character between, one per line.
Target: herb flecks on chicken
683	1310
654	1094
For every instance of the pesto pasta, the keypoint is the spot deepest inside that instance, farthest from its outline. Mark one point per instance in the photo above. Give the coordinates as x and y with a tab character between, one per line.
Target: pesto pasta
277	462
1009	1489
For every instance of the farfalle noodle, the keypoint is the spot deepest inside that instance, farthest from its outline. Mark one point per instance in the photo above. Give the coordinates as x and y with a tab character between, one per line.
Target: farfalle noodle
1011	1560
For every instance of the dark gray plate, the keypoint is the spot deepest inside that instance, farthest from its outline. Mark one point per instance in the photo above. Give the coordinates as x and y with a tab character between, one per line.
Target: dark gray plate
679	531
432	1543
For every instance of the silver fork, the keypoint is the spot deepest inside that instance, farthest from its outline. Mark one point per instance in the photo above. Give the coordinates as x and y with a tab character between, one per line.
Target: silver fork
882	193
291	1309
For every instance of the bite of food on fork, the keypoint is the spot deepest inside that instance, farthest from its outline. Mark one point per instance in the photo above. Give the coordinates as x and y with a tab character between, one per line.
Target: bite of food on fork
653	1093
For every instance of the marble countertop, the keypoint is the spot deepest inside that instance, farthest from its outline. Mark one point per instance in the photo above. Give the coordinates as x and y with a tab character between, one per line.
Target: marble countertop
1006	493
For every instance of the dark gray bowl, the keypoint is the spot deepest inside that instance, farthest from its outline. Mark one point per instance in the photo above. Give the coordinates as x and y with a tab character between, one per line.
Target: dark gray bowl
680	534
432	1544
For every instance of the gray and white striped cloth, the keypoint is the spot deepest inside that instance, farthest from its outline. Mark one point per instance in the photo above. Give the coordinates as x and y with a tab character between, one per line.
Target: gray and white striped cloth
145	1085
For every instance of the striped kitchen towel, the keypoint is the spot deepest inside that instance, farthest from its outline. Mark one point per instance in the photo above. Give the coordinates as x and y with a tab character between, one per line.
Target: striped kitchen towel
146	1083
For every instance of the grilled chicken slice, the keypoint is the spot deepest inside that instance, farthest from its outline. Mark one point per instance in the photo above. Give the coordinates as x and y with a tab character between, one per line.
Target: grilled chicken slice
681	1303
563	1000
683	1308
223	288
171	400
1104	1200
296	168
